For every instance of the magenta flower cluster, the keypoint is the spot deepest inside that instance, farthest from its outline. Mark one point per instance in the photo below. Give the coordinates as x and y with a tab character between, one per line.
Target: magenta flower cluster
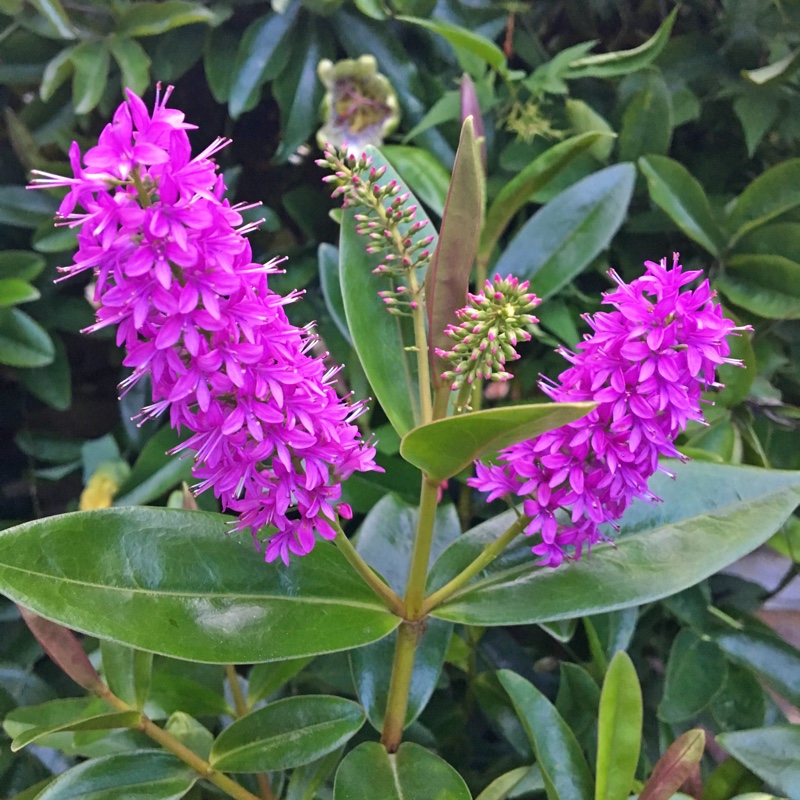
645	364
176	274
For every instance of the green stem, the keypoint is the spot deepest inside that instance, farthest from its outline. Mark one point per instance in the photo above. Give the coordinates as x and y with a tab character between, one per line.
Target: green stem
412	627
488	554
481	272
399	686
421	346
441	399
144	198
177	748
418	572
242	710
384	592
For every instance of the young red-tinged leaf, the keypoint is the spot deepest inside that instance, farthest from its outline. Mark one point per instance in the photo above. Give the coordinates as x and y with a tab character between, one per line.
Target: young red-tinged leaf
675	766
447	279
470	107
63	647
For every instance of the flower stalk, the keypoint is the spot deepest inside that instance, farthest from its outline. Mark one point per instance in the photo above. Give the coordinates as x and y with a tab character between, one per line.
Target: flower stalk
368	575
388	222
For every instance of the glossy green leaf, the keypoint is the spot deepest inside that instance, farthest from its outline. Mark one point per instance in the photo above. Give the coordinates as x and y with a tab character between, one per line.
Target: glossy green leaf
584	119
298	89
14	291
774	660
757	111
578	702
494	702
21	264
286	734
754	296
675	766
534	177
189	732
412	773
58	69
447	278
25	209
718	513
260	58
740	702
306	780
127	672
328	260
681	196
133	62
264	679
567	234
91	61
422	173
771	753
151	18
179	583
385	541
23	342
30	724
776	72
379	338
624	62
170	692
558	754
143	774
50	239
54	13
372	8
619	730
768	285
695	673
501	788
776	239
52	383
479	45
50	713
154	473
730	778
771	194
444	447
219	52
647	121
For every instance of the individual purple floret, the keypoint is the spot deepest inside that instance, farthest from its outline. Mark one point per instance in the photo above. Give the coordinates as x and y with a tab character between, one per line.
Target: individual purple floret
646	365
175	273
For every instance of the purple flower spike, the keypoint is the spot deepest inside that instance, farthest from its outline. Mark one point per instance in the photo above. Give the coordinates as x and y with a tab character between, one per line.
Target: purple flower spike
646	364
270	436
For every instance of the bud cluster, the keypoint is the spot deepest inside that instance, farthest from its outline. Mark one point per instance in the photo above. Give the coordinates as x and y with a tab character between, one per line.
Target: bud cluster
492	323
386	220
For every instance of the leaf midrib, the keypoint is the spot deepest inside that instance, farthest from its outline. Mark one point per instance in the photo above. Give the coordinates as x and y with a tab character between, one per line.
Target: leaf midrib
187	594
512	573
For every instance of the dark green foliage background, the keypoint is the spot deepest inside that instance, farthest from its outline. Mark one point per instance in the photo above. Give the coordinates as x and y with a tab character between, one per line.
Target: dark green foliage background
708	134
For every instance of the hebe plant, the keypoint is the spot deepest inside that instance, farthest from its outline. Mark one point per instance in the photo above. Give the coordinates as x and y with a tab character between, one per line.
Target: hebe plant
272	439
